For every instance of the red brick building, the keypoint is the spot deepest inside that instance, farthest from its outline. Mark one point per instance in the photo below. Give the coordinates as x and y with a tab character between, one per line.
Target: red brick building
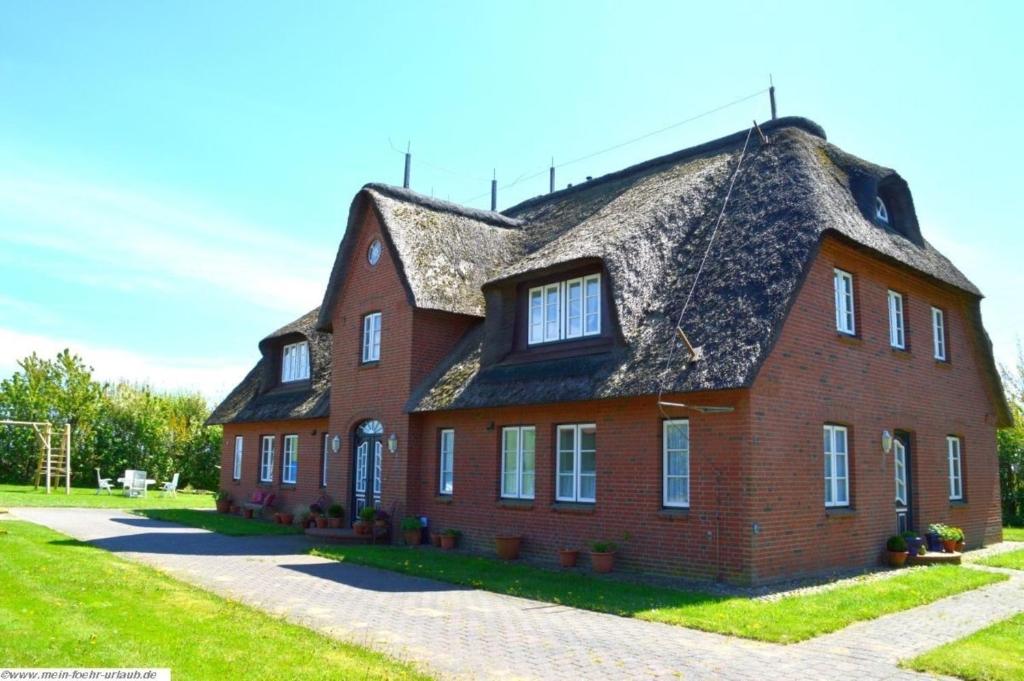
523	372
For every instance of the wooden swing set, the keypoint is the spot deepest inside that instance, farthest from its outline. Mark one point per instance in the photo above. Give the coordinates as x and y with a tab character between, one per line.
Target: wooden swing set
53	464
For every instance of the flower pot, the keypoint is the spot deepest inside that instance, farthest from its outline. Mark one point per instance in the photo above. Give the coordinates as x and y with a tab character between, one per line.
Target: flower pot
507	547
321	522
567	557
247	512
934	543
897	558
602	562
949	545
435	538
448	541
411	537
960	547
362	528
223	506
334	523
914	545
286	518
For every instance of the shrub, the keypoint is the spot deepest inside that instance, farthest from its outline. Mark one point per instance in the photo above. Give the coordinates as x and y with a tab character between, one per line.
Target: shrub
223	495
604	547
410	524
450	532
367	514
896	544
335	511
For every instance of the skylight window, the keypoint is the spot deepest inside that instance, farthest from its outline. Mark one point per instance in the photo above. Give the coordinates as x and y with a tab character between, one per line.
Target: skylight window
881	212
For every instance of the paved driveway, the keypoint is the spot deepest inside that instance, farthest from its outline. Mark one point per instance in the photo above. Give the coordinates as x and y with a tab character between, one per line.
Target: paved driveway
463	633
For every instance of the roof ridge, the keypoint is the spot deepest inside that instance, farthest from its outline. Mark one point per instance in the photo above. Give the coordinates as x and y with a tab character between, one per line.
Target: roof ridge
734	138
493	218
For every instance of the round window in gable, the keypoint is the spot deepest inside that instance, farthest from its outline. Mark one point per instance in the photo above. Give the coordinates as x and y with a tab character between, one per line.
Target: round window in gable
373	254
881	212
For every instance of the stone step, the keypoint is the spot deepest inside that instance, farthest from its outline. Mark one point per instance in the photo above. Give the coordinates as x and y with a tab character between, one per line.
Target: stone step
935	558
343	535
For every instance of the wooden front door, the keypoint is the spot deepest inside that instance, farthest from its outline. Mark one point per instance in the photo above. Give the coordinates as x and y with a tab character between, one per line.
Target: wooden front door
901	464
366	482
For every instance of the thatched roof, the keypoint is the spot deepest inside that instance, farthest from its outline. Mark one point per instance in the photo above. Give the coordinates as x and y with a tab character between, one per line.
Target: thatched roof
261	396
649	225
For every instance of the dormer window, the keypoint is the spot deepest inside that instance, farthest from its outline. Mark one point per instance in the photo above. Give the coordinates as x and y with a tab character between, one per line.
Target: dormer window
295	362
881	211
565	310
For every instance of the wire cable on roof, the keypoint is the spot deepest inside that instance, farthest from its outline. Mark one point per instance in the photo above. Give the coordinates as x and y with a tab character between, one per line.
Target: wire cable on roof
700	268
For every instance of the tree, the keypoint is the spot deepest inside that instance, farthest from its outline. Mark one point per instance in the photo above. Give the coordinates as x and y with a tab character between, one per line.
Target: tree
1011	446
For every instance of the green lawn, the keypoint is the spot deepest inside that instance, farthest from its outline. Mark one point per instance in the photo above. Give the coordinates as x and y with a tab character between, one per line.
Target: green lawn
995	653
67	604
783	621
1013	534
234	525
12	496
1011	559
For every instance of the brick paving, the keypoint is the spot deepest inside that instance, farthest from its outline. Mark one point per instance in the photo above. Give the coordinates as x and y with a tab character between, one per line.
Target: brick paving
460	633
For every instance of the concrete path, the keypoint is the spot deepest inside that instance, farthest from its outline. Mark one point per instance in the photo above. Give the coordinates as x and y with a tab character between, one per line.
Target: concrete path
462	633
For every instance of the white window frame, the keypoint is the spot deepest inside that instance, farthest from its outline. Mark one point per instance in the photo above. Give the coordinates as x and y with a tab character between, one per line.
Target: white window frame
836	481
897	321
576	473
550	319
939	334
666	452
236	467
323	462
899	458
881	210
517	473
371	337
290	459
955	459
267	458
846	320
295	362
446	460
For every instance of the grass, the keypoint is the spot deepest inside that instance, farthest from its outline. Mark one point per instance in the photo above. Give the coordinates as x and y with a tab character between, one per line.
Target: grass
12	496
68	604
223	523
786	620
1013	534
995	653
1012	559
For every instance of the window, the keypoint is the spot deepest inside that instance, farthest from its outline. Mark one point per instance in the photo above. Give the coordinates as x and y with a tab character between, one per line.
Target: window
939	333
236	470
290	459
844	302
577	463
899	451
897	330
675	439
881	211
371	337
447	460
267	459
837	479
295	362
323	460
956	472
564	310
518	463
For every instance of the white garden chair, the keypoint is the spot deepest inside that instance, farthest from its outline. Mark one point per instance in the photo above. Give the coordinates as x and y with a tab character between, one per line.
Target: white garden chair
103	484
138	484
126	481
170	487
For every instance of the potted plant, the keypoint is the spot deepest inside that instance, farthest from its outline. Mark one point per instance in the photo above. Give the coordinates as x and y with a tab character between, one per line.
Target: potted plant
286	518
411	530
567	557
897	548
435	538
364	526
247	513
602	556
959	539
507	546
934	537
949	536
321	521
335	512
223	501
306	519
381	519
449	538
914	542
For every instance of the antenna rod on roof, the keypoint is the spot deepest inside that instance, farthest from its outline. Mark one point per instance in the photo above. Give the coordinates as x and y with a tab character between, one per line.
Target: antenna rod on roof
771	95
551	176
494	191
408	160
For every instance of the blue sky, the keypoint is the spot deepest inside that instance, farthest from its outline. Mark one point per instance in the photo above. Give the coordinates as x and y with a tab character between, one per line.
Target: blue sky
175	177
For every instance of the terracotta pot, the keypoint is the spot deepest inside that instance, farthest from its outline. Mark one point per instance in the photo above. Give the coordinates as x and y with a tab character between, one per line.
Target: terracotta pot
362	528
960	547
897	558
602	562
223	506
949	545
286	518
567	557
435	538
508	547
277	518
334	523
321	522
448	541
247	512
411	537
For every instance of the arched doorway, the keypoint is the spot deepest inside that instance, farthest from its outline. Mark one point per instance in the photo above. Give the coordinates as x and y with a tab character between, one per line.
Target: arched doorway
366	482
